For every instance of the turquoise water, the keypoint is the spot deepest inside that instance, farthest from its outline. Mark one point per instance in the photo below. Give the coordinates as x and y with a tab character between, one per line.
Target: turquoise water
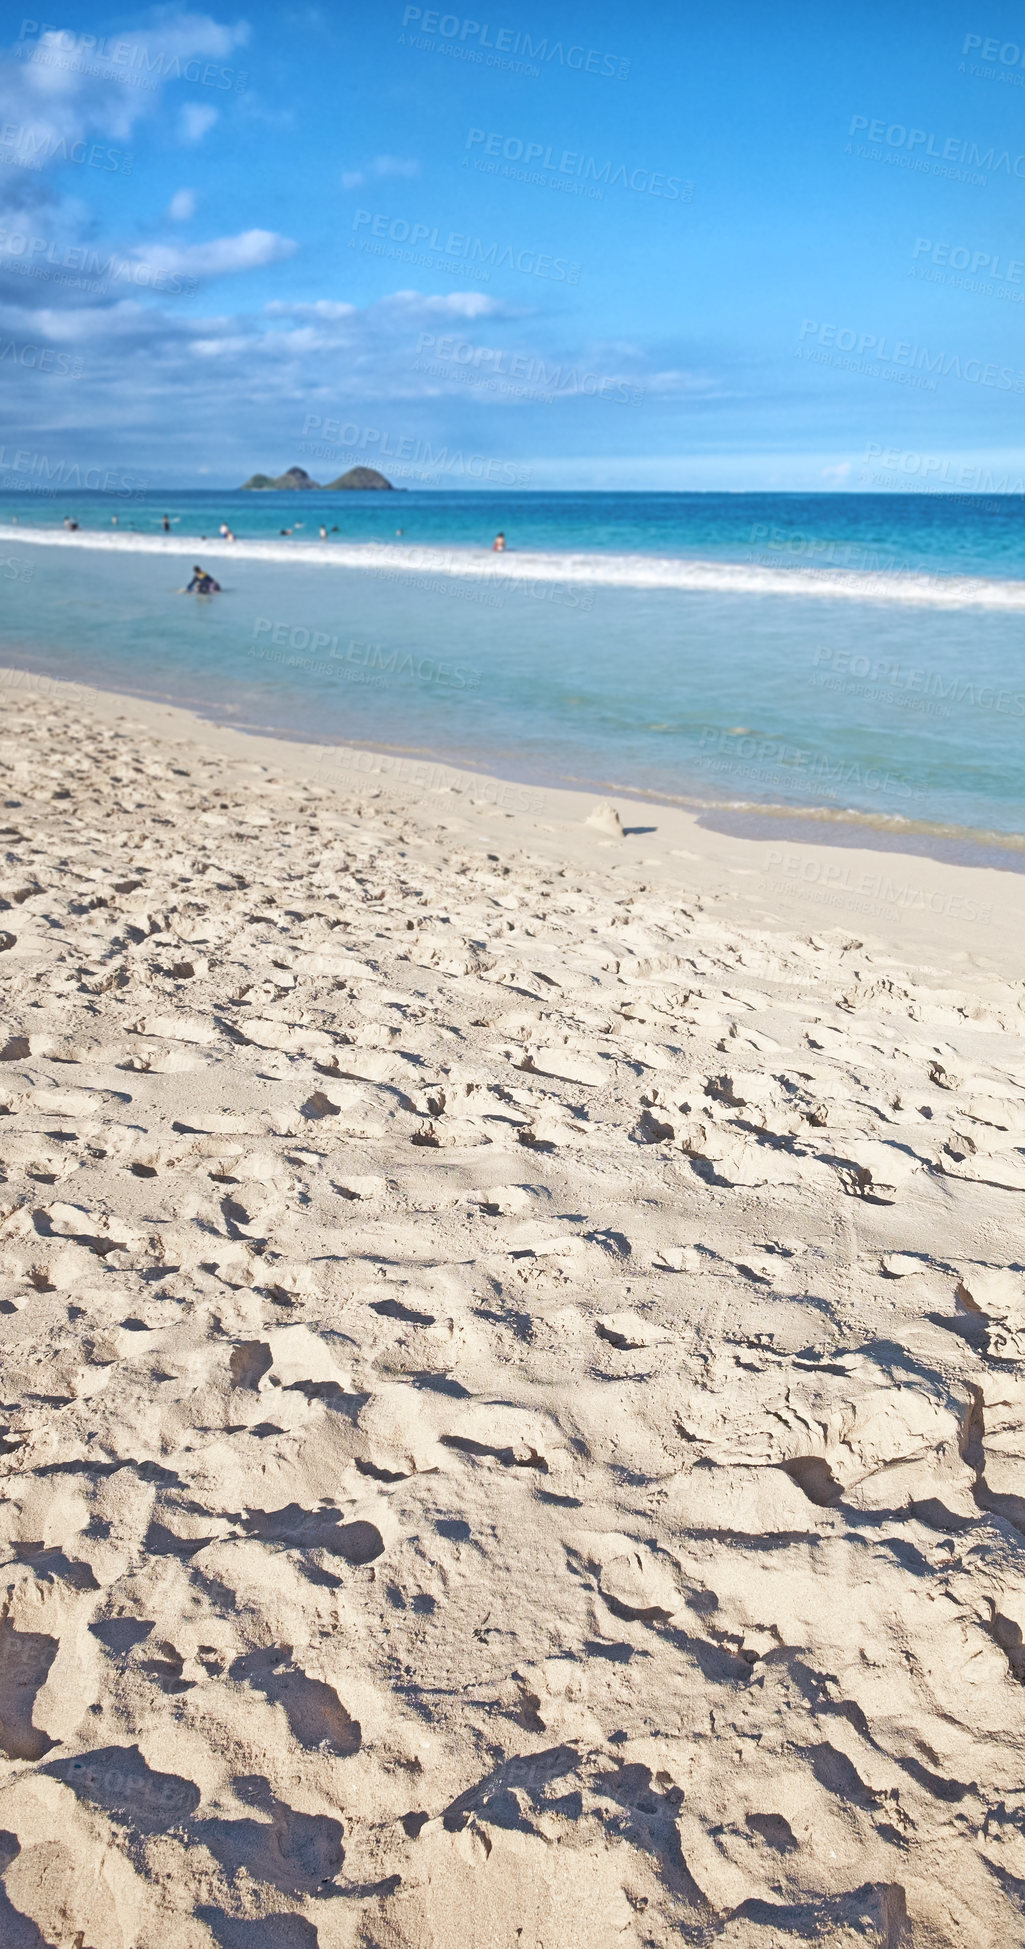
937	533
855	653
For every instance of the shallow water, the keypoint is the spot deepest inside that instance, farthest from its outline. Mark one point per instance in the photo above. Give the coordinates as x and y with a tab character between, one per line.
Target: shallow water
793	669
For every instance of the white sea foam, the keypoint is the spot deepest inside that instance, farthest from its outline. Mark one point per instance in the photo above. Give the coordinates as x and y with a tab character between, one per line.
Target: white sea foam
611	571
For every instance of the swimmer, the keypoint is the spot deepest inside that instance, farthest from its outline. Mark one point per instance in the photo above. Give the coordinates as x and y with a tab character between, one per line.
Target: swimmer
323	533
202	583
498	545
166	525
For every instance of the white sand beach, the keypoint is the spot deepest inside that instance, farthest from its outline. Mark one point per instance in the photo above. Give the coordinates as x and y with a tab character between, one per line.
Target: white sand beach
513	1405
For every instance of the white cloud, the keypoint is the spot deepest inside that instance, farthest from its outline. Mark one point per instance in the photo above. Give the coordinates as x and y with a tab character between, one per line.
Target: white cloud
303	358
452	304
399	305
196	120
222	256
325	308
67	91
383	167
182	205
686	384
394	166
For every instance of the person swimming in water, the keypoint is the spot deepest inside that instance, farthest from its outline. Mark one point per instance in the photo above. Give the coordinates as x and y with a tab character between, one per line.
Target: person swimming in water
498	545
166	525
202	583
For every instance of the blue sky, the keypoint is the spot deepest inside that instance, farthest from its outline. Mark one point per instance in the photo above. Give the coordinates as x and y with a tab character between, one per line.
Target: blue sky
600	246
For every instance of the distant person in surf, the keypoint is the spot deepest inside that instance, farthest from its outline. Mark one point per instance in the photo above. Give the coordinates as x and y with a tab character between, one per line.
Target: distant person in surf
323	534
498	545
166	525
224	531
113	520
202	583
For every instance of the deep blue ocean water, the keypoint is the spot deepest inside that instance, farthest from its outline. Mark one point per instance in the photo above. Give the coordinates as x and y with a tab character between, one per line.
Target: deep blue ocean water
857	653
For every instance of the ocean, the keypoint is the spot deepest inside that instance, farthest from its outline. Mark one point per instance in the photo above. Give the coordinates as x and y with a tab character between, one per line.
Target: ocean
859	658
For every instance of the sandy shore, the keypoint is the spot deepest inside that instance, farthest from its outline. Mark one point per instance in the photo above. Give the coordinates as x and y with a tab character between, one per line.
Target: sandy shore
514	1363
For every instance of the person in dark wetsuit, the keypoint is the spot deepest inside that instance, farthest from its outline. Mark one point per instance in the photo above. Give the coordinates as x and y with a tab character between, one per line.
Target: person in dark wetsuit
202	582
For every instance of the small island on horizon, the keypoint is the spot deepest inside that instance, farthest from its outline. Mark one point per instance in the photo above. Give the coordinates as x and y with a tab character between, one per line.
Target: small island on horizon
296	477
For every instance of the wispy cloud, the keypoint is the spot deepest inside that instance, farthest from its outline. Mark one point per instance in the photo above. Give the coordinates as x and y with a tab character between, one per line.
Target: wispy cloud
222	256
196	120
182	205
329	309
382	168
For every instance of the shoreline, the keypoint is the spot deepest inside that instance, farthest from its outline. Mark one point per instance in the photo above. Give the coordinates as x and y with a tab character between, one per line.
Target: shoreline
821	825
822	876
